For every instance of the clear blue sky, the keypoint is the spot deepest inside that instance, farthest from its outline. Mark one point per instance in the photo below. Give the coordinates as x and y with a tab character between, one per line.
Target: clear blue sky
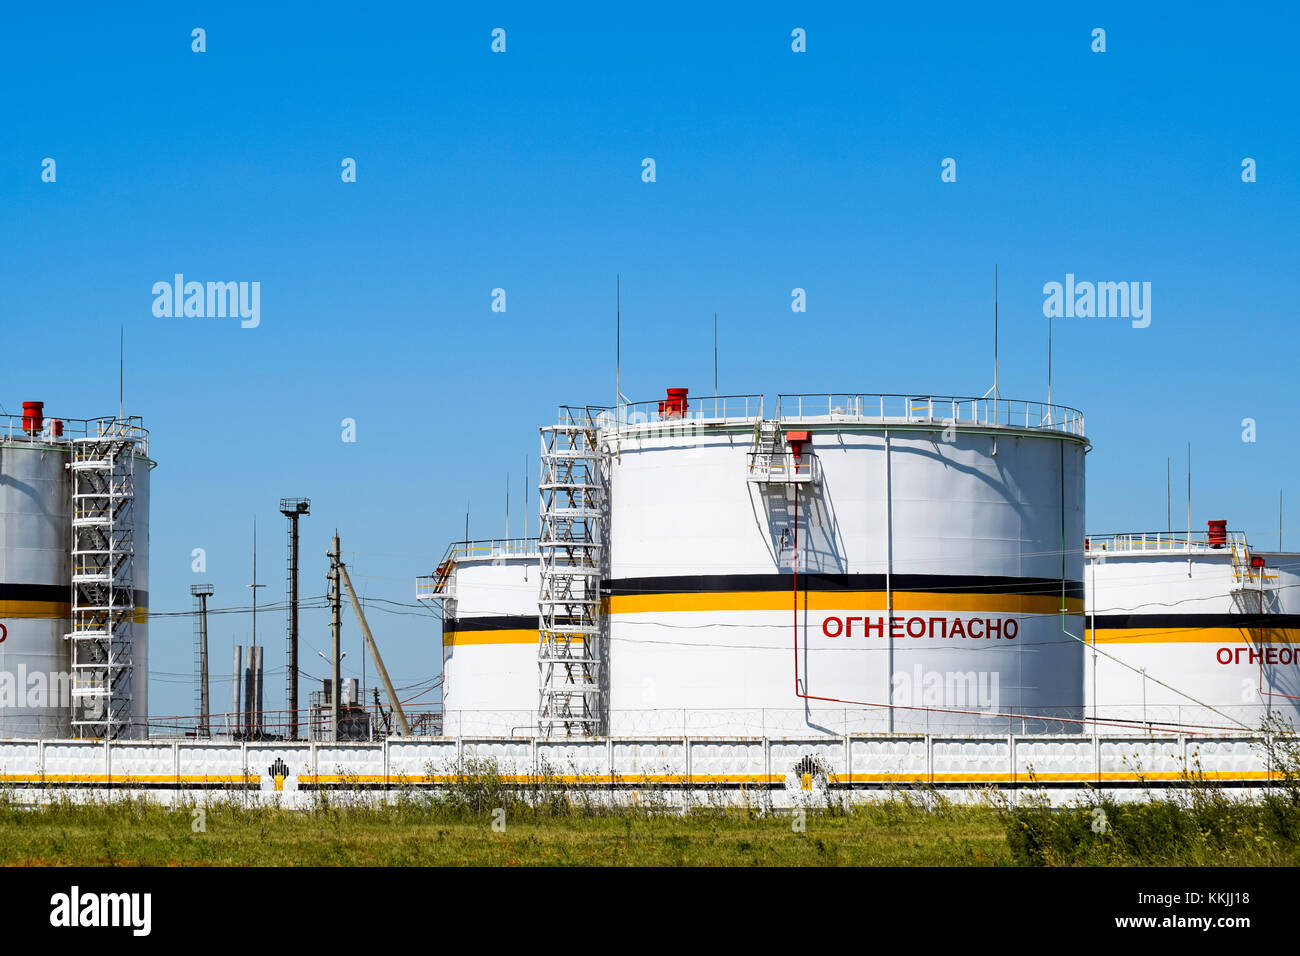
775	170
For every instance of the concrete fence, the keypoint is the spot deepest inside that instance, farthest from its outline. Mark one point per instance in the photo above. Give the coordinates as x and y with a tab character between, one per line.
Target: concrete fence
860	764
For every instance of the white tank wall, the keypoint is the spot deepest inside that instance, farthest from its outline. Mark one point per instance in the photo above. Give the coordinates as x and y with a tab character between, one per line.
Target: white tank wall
143	598
35	537
681	505
34	608
490	672
1153	616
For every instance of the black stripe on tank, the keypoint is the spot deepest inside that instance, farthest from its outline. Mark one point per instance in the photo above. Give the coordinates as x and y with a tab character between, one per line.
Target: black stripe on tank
1125	621
813	581
501	622
51	593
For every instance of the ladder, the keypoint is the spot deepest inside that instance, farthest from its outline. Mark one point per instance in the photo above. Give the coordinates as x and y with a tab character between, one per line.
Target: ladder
103	583
771	463
1254	588
571	542
766	452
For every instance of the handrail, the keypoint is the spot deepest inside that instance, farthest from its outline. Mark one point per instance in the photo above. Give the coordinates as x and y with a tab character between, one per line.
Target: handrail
1148	541
655	414
929	409
12	428
433	585
490	548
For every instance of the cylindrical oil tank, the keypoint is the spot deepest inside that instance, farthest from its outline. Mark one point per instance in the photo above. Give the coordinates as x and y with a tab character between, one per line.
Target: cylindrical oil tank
489	636
35	578
916	568
1194	631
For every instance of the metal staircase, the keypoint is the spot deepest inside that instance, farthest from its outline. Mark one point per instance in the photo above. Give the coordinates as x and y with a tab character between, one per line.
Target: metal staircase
1254	588
572	538
771	464
103	583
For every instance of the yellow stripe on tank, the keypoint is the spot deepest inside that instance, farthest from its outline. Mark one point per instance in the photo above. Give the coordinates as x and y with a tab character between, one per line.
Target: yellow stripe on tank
52	611
521	636
1195	635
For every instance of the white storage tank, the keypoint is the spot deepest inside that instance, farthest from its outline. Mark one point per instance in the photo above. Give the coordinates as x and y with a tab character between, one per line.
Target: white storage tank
36	487
488	591
936	542
1195	630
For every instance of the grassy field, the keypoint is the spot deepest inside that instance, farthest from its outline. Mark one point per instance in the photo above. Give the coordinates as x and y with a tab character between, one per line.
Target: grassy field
905	831
124	835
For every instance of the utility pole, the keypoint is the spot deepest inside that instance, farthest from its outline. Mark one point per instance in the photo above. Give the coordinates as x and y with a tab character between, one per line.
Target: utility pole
374	652
336	626
293	509
201	594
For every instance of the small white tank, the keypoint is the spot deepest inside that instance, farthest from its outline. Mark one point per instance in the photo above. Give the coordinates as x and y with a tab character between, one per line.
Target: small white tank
1197	632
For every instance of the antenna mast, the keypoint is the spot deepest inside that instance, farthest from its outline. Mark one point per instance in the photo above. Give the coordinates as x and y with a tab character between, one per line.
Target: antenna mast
996	394
618	344
1049	360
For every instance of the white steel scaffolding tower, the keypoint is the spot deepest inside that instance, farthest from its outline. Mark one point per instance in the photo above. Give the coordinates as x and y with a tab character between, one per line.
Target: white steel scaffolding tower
103	582
571	541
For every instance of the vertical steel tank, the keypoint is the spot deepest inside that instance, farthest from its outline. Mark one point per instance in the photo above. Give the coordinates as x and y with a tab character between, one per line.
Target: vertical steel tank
852	563
488	591
35	573
1195	630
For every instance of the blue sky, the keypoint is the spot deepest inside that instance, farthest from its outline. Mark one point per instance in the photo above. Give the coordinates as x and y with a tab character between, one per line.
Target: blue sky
522	171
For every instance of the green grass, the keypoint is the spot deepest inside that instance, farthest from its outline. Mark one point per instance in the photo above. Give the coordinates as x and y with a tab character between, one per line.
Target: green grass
420	831
545	825
893	834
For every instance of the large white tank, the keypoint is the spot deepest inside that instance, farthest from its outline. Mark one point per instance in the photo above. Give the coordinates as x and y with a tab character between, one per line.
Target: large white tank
938	549
35	580
1196	630
936	541
488	591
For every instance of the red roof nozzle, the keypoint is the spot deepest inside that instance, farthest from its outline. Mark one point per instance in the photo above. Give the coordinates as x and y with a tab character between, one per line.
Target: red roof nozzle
33	417
675	405
796	441
1217	533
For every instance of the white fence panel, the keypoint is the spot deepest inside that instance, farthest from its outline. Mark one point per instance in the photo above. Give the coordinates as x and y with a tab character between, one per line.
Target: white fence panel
652	760
956	759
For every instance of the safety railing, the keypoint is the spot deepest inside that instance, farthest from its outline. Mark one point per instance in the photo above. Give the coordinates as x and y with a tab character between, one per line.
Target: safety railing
431	586
931	409
57	430
690	411
783	468
1147	542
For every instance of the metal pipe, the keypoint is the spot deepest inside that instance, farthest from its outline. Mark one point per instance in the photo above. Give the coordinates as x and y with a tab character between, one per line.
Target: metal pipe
259	712
249	716
237	728
889	571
